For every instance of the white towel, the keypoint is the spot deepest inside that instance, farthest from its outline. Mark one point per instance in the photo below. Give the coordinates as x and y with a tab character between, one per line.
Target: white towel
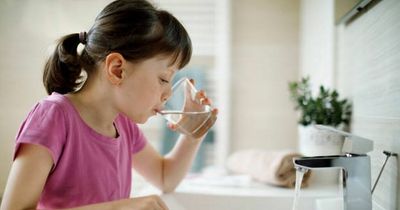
272	167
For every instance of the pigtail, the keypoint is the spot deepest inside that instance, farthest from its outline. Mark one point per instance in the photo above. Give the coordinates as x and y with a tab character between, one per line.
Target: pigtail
63	69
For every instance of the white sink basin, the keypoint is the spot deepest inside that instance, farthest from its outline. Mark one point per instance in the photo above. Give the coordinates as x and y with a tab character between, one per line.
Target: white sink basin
219	194
187	201
202	195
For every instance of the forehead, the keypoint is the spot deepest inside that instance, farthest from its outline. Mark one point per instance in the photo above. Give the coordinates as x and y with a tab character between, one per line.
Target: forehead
172	59
156	64
169	61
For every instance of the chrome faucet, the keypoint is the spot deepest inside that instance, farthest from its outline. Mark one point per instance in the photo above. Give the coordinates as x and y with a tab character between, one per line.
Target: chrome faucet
355	165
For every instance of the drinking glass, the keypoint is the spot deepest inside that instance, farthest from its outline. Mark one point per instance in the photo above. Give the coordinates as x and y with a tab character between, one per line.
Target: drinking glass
184	109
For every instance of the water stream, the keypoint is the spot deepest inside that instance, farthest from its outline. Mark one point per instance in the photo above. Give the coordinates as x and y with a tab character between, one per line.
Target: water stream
299	179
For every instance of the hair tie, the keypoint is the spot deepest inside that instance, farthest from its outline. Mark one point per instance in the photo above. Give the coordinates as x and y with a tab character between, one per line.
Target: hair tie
83	37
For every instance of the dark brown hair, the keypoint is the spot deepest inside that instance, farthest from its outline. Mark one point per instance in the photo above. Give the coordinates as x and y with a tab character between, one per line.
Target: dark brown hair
133	28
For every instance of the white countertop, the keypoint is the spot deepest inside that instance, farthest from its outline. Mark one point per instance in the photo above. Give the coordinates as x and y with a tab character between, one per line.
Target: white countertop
221	192
244	186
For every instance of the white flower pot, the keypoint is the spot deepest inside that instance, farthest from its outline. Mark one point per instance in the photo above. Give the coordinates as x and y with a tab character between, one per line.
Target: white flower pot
315	142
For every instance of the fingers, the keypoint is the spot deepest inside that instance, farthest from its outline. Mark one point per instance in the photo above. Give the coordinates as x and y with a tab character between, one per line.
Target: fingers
172	126
161	203
145	203
155	202
206	101
201	98
201	94
191	81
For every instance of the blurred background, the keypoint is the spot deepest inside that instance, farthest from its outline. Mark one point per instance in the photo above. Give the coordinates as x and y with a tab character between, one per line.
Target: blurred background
245	53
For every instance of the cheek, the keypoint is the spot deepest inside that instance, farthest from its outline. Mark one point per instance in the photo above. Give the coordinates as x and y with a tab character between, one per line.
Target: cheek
137	100
127	99
138	96
150	97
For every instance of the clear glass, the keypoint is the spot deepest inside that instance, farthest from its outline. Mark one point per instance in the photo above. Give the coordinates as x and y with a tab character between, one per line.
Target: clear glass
184	109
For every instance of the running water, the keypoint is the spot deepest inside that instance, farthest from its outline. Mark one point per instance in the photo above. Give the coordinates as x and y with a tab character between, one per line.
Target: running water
299	179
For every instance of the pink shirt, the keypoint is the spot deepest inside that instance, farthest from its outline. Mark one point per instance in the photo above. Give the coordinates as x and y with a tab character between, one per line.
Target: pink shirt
88	167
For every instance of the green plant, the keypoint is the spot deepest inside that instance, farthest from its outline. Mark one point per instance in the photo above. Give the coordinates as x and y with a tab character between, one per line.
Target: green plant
325	108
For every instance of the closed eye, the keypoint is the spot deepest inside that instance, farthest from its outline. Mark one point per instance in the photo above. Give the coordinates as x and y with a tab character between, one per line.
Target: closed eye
164	81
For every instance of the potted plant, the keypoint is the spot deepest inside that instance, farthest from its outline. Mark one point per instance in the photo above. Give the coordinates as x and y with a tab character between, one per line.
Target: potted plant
325	108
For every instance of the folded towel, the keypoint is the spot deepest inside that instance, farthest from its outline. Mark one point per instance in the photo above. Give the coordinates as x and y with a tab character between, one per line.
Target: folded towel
272	167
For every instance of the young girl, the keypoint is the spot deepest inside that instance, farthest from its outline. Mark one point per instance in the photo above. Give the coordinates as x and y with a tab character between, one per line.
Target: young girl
77	146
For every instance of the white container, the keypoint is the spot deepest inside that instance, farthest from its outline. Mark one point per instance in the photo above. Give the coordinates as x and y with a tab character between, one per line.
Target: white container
316	142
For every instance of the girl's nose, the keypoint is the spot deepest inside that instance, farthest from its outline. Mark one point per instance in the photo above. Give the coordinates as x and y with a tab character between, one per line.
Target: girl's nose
166	95
164	99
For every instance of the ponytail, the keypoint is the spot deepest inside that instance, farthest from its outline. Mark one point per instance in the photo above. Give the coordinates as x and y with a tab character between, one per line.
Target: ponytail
63	68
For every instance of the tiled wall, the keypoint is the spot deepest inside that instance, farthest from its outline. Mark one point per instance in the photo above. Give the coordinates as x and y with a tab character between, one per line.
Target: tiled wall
368	71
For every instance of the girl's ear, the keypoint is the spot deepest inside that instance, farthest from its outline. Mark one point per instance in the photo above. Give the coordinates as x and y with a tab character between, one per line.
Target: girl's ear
114	63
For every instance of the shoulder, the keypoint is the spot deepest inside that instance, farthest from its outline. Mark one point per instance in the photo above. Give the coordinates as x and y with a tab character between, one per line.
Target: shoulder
55	101
47	125
49	112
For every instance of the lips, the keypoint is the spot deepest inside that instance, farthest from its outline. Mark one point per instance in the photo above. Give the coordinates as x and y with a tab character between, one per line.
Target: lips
159	108
156	110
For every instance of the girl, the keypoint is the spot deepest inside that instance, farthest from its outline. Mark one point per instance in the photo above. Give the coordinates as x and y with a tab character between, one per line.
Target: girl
77	147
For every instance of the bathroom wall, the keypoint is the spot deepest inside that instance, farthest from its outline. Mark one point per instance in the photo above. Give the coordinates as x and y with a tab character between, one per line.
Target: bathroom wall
317	42
265	37
366	68
368	65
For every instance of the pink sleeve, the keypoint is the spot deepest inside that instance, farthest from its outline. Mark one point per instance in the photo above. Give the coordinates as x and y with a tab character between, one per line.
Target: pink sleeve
46	126
140	140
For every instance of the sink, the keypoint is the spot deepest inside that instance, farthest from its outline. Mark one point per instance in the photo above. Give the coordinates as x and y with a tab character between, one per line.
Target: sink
206	195
235	193
195	201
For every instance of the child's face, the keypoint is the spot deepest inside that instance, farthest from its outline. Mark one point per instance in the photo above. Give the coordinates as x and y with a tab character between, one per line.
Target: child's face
145	87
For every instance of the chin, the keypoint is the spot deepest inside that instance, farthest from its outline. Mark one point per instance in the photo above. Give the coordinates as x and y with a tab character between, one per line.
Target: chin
139	121
142	119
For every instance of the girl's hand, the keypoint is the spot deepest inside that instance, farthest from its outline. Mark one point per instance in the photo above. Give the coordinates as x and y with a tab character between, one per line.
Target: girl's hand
151	202
195	101
199	124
